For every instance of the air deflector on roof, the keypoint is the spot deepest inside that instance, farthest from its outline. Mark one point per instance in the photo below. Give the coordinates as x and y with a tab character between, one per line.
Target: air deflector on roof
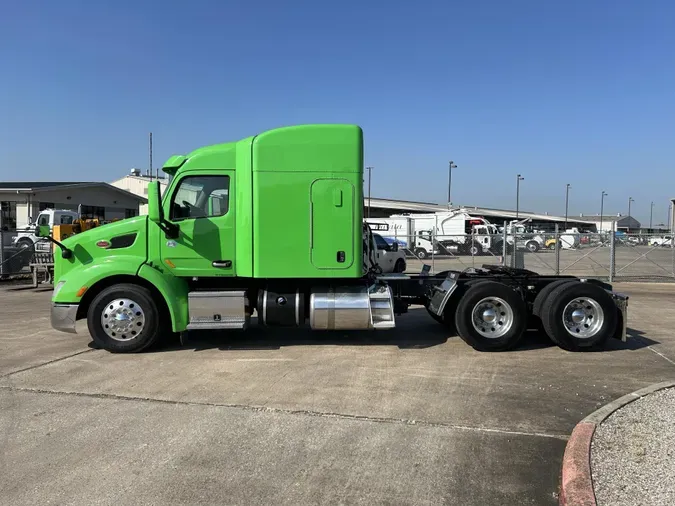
174	163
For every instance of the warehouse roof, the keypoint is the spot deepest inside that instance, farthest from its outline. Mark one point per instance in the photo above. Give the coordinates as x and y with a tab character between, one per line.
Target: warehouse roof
47	186
32	185
403	206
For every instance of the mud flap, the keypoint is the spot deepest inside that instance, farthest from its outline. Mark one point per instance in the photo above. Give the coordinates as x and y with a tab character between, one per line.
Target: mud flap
442	293
621	302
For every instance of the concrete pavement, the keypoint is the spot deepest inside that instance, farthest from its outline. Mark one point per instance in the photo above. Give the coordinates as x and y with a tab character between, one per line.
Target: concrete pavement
410	416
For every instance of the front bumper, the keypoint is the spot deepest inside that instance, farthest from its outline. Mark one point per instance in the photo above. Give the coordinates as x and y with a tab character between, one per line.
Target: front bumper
63	317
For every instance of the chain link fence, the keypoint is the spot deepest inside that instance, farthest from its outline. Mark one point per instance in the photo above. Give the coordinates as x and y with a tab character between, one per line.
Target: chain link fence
612	257
16	258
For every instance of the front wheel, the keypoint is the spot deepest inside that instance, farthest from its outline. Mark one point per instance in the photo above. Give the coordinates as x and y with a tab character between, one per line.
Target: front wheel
24	243
421	253
124	318
532	246
399	266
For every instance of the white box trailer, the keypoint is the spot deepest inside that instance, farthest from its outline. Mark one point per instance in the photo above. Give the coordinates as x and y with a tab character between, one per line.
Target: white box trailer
457	231
404	230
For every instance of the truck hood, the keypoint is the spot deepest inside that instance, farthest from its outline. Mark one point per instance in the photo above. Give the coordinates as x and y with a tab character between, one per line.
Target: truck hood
103	244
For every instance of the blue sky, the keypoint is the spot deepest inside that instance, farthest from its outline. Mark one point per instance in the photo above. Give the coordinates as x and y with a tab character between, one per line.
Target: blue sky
563	92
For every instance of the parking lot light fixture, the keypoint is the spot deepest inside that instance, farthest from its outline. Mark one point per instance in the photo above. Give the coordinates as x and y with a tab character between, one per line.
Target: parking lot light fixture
602	208
451	165
567	201
518	180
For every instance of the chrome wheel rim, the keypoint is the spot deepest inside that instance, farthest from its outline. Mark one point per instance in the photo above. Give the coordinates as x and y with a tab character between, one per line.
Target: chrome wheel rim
492	317
583	317
122	319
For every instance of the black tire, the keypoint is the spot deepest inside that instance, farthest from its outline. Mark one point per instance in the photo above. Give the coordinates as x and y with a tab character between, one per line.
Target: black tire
24	243
399	266
546	291
532	246
465	308
475	249
552	246
153	325
421	253
554	306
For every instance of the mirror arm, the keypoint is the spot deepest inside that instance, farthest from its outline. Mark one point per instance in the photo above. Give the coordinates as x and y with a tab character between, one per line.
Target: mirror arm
169	229
65	252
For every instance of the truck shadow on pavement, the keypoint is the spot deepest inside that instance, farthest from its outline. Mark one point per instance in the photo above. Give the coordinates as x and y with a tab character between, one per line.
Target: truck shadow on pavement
418	331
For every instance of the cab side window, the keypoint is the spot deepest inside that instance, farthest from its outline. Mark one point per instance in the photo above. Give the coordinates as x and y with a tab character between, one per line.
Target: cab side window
381	243
200	197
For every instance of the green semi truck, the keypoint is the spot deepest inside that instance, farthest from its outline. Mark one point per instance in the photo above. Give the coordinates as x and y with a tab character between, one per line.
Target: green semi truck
272	226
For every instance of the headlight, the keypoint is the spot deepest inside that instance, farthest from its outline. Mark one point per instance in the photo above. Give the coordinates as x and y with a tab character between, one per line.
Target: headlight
58	287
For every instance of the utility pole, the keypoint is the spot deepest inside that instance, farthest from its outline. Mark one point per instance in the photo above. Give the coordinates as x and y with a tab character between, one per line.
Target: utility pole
651	215
518	180
602	207
451	165
369	169
150	149
630	199
567	201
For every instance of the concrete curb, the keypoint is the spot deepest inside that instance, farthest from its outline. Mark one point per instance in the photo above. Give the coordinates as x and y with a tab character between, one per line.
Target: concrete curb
576	483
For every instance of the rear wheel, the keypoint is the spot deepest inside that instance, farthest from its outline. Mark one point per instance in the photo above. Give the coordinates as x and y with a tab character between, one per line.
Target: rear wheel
491	317
579	316
124	318
475	249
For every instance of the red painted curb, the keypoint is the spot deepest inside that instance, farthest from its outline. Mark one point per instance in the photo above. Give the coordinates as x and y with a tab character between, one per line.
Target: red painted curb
576	487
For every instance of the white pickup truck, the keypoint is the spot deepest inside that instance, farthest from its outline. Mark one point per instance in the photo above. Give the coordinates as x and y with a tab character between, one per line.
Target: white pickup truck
389	257
26	238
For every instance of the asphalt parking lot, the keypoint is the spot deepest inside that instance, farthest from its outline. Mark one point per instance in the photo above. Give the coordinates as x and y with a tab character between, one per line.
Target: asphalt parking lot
409	416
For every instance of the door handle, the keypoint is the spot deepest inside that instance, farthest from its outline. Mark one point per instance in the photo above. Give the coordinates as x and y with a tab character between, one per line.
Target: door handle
222	263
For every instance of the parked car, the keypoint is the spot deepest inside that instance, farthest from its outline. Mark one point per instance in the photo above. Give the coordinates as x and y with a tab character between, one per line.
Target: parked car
665	240
389	257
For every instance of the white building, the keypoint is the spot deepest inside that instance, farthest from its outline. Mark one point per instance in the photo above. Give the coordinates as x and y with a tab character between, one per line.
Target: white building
21	202
137	184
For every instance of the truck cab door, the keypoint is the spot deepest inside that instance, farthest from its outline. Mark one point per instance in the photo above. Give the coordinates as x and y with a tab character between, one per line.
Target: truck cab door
201	207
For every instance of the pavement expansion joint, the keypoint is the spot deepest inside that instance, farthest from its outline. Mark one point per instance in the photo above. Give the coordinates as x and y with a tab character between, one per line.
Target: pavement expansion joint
292	412
36	366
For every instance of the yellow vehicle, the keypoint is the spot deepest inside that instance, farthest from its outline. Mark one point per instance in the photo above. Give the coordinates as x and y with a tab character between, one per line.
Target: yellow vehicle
550	243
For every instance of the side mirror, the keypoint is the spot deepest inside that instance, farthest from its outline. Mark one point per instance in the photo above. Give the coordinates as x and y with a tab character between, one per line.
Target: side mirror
42	231
394	246
154	202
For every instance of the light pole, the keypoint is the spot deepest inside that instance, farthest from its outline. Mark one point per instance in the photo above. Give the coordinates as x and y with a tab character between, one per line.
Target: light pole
651	215
567	201
369	169
451	165
630	199
670	211
602	207
518	180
